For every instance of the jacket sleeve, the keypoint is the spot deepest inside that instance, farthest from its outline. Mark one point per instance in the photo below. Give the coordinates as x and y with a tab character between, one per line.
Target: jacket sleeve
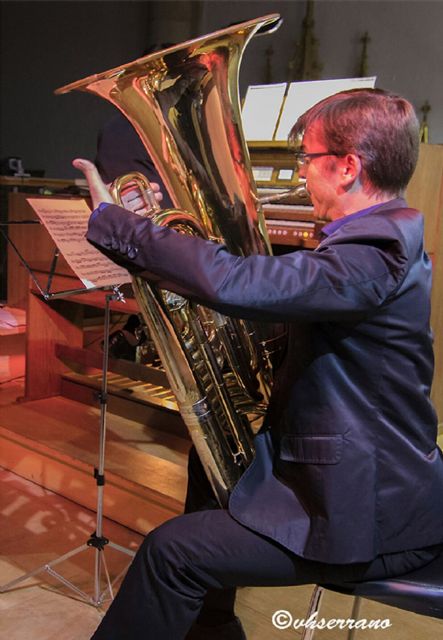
341	279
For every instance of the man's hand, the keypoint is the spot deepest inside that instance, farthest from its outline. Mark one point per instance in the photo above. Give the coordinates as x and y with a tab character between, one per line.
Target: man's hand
141	201
132	199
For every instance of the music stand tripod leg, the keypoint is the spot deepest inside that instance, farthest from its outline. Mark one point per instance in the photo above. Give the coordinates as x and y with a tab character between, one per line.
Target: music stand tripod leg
96	541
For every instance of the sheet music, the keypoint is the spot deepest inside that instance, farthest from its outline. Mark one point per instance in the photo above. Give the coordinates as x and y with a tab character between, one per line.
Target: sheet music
303	95
261	110
67	221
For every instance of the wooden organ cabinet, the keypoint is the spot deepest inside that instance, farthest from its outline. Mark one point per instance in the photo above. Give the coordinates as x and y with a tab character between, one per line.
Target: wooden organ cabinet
425	192
57	355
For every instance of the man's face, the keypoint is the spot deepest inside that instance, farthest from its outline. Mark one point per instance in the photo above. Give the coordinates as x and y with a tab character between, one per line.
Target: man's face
322	175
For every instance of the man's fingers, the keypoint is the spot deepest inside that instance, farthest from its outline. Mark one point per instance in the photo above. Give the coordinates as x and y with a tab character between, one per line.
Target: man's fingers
84	165
157	193
87	168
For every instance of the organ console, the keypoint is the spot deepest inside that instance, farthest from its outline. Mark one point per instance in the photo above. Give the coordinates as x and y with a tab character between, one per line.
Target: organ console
290	221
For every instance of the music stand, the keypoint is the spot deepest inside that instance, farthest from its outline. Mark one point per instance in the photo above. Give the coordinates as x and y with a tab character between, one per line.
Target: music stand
96	540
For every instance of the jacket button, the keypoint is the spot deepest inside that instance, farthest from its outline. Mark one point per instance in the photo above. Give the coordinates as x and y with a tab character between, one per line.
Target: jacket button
132	252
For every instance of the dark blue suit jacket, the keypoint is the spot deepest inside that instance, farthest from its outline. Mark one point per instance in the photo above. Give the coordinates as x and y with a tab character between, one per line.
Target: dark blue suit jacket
347	465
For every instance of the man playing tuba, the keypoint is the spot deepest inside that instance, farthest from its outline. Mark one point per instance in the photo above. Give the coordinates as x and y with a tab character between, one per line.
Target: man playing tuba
346	479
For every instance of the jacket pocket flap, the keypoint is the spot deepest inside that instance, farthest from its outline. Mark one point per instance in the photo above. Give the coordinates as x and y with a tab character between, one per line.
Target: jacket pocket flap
312	449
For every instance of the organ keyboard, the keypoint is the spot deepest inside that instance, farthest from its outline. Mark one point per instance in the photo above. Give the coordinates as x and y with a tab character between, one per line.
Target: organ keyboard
291	225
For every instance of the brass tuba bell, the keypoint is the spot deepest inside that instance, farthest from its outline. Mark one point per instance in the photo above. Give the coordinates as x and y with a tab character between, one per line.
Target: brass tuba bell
184	104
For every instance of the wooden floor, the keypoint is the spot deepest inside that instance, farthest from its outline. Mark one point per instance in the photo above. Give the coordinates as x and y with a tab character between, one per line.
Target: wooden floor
55	443
38	525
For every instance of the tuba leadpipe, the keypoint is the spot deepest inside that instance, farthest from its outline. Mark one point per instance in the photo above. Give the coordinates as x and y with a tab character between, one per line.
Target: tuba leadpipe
184	104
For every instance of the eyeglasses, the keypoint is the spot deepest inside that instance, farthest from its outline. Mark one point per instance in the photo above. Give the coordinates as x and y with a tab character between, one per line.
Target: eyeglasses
302	158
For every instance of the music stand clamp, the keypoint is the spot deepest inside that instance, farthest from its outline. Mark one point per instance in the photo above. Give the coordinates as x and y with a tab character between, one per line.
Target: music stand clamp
96	540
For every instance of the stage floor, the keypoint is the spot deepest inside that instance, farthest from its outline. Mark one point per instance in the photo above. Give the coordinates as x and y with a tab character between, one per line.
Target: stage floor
37	526
53	443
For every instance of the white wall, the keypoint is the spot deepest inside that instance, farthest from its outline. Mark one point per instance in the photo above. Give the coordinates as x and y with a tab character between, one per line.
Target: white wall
47	44
405	50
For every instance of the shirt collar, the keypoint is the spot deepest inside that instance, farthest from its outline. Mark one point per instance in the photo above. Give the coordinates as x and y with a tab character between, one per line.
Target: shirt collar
332	227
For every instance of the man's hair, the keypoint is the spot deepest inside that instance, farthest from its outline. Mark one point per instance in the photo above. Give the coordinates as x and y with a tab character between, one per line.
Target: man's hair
380	127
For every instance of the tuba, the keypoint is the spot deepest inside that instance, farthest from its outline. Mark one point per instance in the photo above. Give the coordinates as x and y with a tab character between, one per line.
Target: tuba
184	104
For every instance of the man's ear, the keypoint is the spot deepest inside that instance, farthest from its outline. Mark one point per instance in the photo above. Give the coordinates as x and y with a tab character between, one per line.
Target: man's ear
351	168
